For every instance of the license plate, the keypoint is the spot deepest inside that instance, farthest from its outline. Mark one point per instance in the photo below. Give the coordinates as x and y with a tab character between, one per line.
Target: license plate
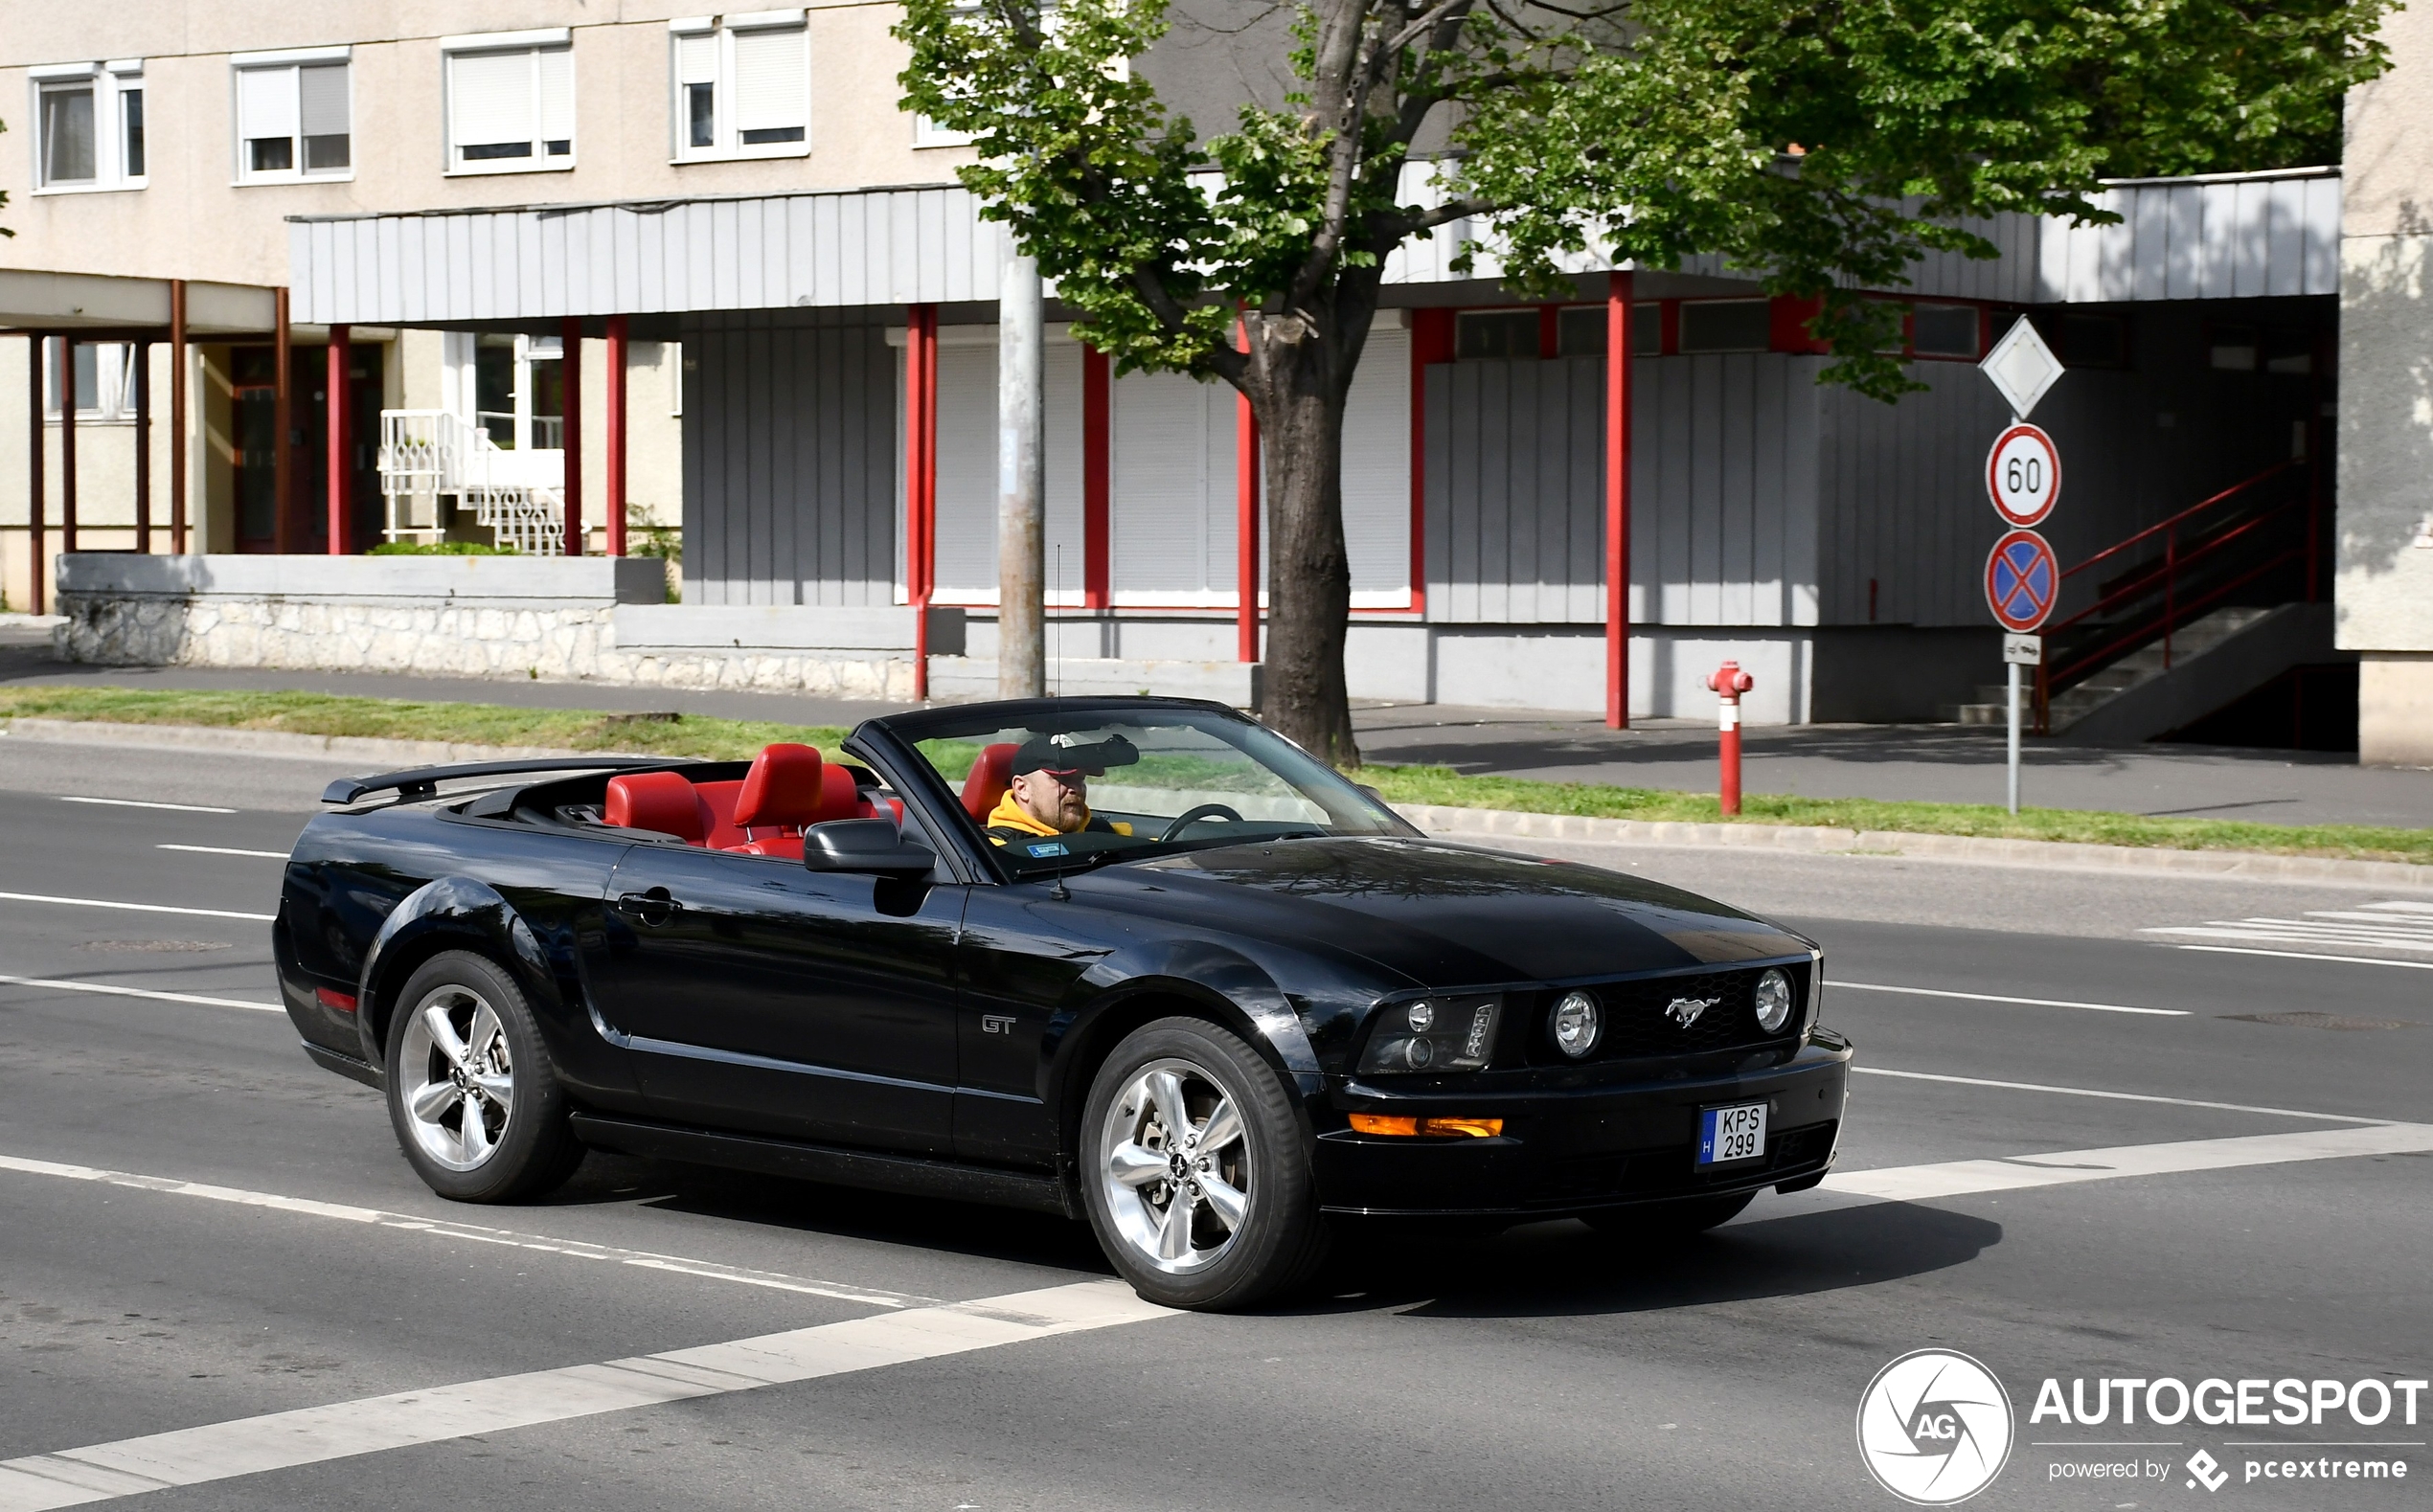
1726	1135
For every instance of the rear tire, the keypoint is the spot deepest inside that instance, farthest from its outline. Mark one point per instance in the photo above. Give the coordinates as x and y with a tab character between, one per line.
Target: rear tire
1677	1219
1193	1170
475	1102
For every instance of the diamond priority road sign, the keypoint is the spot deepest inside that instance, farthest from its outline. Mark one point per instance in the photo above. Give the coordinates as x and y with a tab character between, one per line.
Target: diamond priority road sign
2022	367
2022	580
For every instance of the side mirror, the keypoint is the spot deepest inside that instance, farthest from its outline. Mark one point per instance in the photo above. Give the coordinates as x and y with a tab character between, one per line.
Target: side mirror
868	846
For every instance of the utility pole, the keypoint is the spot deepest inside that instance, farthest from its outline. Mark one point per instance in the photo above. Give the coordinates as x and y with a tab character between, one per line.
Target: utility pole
1021	483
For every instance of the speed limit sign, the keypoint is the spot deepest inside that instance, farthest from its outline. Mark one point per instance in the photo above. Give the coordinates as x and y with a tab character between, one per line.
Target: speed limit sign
2023	475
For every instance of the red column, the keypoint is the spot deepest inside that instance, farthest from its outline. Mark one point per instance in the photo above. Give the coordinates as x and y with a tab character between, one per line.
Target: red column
142	372
1618	501
921	476
283	472
1098	453
177	454
614	486
341	474
570	363
39	567
67	443
1431	342
1245	521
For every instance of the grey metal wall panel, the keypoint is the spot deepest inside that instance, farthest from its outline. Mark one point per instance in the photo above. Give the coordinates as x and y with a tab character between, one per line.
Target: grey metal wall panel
790	476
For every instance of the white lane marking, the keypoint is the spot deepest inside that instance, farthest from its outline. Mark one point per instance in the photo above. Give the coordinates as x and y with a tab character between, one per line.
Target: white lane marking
316	1434
2116	1097
1988	996
137	992
1909	1183
2392	925
137	802
137	908
2307	954
228	851
442	1229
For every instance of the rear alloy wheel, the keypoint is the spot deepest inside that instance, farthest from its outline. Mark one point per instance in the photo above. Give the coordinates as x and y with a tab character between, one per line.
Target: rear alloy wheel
475	1103
1193	1170
1656	1220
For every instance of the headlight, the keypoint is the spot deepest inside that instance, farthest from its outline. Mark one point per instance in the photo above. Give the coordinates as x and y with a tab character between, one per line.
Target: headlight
1577	1025
1773	1002
1438	1034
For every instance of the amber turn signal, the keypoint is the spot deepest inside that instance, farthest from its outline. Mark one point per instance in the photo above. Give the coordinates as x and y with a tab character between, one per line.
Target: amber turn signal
1390	1124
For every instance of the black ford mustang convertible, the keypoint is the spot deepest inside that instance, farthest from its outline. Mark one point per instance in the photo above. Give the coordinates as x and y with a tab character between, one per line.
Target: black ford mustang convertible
1135	960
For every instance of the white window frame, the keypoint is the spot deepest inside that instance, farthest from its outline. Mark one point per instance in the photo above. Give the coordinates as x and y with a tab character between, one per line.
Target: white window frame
111	82
533	44
288	60
113	383
726	140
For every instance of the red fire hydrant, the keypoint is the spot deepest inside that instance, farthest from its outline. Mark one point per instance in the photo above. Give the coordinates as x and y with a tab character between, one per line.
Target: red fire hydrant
1729	683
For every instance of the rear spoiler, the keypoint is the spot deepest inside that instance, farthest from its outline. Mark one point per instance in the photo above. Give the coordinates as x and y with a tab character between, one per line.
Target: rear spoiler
423	781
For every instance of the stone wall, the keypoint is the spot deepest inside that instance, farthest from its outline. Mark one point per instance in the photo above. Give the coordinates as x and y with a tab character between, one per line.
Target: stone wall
558	619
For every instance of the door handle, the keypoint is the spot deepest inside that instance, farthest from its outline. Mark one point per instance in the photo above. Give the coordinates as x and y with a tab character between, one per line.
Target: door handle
654	907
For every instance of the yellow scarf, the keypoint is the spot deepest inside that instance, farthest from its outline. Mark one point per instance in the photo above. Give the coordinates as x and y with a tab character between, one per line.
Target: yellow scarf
1011	815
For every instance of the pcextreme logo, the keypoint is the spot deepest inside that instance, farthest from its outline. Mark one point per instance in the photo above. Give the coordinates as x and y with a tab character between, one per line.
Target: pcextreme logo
1934	1428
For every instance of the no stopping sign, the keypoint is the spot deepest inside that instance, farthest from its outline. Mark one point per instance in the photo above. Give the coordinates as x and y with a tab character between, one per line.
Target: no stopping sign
2022	580
2023	475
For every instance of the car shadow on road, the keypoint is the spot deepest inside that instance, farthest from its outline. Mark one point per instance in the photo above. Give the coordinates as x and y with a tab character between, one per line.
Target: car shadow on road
1551	1270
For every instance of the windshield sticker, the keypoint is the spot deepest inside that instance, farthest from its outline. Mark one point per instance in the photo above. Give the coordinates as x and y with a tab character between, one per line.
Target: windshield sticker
1052	847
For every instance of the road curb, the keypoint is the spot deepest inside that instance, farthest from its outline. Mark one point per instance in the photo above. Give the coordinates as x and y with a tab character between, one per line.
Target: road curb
1459	824
373	751
1814	840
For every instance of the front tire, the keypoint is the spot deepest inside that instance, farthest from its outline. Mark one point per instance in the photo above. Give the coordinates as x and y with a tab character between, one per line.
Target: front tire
1194	1173
475	1102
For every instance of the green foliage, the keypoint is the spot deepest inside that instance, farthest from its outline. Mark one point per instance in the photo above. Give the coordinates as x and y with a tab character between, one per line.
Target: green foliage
1821	145
438	549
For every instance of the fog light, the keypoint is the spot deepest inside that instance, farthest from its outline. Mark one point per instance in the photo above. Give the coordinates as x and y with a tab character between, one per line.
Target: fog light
1402	1127
1578	1025
1773	1002
1418	1052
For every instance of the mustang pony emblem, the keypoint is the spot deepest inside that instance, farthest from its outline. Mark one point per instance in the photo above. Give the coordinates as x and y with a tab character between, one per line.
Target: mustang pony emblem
1685	1011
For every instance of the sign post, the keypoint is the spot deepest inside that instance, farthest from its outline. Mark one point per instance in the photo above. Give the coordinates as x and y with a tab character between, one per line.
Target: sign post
2023	480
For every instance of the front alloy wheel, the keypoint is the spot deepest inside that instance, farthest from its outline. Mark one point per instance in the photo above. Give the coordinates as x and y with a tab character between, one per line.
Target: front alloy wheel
1195	1172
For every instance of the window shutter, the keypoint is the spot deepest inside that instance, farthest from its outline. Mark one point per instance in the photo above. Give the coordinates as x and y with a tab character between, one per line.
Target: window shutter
770	83
321	91
489	98
1158	524
557	94
697	58
266	102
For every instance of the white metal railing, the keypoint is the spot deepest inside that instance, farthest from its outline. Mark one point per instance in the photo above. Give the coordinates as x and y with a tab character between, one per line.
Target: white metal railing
427	454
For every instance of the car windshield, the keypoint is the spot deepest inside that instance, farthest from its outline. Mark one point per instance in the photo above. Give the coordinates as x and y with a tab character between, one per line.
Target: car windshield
1102	786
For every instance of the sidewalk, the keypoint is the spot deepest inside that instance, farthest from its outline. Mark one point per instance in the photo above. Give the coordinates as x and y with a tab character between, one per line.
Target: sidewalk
1941	763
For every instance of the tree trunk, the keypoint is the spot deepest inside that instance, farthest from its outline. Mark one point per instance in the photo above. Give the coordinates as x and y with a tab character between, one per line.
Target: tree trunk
1021	486
1300	373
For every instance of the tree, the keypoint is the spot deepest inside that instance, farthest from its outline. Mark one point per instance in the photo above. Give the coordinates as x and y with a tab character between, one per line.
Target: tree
1822	144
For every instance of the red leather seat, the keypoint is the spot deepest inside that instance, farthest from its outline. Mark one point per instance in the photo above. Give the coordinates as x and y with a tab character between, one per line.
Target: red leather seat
786	789
718	799
990	775
663	802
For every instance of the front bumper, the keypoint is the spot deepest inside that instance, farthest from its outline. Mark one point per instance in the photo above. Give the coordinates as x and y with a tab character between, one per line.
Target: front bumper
1582	1147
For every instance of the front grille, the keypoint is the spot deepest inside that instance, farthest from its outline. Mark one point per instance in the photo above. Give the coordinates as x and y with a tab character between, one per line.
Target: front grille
1639	1021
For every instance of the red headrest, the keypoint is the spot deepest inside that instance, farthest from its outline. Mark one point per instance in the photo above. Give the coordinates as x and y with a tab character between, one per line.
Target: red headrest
659	800
990	775
785	788
838	797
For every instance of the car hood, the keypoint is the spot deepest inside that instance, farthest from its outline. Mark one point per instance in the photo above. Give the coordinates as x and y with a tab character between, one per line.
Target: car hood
1444	915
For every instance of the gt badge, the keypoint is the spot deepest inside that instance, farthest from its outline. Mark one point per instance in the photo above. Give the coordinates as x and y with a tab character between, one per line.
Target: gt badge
996	1024
1685	1011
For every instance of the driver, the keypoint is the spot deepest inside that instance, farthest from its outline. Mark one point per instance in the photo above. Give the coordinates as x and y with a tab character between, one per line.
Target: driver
1050	791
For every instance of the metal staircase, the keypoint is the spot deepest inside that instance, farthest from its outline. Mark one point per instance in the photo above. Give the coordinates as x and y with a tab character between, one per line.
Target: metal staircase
425	455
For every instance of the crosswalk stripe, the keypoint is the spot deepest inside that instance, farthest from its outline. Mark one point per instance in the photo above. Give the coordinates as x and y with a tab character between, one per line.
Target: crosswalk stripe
1909	1183
2393	925
314	1434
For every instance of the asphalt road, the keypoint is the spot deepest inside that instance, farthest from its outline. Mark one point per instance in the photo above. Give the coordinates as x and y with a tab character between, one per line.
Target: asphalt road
280	1257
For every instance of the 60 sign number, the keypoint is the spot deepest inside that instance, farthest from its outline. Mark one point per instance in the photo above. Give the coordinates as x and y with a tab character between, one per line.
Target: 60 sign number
2023	475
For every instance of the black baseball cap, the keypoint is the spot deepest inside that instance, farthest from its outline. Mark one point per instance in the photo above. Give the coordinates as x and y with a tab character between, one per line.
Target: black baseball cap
1065	754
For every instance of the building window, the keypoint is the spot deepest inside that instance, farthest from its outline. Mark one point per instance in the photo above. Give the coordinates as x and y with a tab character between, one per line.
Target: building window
741	86
1486	335
1943	331
1582	330
510	102
104	380
88	127
295	114
1727	324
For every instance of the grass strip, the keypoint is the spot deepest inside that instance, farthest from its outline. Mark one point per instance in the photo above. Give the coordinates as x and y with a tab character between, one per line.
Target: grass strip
1438	785
407	719
594	730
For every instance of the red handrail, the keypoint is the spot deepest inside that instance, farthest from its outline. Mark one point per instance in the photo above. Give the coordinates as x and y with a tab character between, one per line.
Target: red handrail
2124	544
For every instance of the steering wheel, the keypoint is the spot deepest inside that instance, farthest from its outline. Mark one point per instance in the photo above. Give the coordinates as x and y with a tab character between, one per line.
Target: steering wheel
1192	817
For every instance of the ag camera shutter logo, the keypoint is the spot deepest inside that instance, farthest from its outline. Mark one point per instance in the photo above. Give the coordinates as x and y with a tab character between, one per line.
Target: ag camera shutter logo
1934	1428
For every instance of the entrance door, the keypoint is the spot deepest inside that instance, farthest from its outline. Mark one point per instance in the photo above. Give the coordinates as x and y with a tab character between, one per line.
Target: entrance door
765	997
253	377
